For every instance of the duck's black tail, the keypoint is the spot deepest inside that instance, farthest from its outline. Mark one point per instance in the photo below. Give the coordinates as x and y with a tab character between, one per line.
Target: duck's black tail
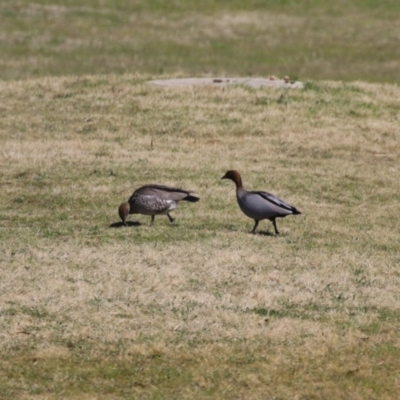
191	198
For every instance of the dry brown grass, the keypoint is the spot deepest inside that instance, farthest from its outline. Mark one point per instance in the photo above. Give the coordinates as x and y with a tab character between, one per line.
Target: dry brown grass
201	308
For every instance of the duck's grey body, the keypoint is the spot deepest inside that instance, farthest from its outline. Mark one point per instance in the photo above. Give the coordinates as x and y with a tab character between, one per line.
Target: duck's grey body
260	205
155	200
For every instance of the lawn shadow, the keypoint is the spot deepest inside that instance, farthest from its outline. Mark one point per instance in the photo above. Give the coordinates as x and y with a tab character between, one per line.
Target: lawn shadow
234	228
264	233
119	224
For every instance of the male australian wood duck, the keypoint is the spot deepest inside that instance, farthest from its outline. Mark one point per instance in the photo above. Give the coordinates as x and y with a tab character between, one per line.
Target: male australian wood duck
259	205
154	200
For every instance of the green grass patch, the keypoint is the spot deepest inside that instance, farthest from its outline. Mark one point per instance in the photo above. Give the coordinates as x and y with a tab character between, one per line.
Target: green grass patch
314	39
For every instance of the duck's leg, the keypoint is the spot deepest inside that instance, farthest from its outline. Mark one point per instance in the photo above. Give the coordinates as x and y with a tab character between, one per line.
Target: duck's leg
255	226
152	220
171	220
276	229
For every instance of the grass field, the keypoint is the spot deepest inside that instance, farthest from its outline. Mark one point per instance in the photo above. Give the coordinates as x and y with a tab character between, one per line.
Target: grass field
307	39
201	308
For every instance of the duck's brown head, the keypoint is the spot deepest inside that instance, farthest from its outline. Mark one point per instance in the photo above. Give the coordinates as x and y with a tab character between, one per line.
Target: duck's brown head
233	176
123	211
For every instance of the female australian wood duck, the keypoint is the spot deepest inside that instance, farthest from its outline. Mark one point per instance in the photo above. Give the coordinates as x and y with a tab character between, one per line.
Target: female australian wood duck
259	205
154	200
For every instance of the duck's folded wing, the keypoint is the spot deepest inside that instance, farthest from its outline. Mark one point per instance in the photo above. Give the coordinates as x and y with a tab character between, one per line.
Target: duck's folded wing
167	192
278	202
163	188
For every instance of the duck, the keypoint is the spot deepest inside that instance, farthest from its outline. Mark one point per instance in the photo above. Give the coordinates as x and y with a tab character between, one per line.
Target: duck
259	205
154	199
